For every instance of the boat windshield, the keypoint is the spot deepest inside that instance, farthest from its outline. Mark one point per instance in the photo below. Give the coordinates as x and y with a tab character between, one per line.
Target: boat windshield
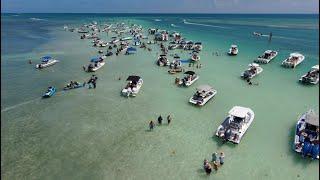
311	127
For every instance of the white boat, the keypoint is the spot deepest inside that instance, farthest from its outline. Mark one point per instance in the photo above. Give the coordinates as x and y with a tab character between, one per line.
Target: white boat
96	63
306	139
253	70
133	86
312	76
197	46
203	95
236	124
195	57
189	79
126	39
46	61
233	50
163	60
267	56
293	60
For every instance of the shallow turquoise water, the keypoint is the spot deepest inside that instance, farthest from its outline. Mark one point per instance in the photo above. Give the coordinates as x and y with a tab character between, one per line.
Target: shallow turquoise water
97	134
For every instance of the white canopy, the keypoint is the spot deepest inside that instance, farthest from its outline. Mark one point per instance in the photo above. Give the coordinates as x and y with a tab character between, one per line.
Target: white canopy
204	88
239	111
296	54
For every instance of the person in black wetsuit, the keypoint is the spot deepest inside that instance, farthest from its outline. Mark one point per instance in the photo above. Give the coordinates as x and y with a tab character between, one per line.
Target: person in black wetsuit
160	119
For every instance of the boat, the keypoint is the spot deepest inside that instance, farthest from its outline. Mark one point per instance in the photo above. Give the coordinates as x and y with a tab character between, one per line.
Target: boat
172	46
195	57
306	139
197	46
189	79
96	63
46	61
236	124
312	76
203	94
267	56
130	50
163	60
233	50
293	60
72	85
175	67
253	70
257	34
188	46
133	86
50	92
109	53
126	39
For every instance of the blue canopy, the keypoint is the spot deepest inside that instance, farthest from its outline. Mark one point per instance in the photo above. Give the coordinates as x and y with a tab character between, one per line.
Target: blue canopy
46	58
131	49
95	59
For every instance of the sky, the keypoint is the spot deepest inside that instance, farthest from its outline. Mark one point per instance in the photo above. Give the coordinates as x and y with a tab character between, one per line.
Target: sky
161	6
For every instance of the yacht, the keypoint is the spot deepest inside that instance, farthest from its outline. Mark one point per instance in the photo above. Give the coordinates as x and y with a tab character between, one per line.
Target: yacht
312	76
293	60
203	94
306	139
195	57
236	124
189	79
266	57
233	50
46	61
133	86
163	60
253	70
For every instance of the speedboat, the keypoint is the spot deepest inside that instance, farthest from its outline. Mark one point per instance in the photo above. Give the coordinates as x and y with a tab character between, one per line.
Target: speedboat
96	63
253	70
189	79
133	86
293	60
126	39
306	139
312	76
50	92
130	50
233	50
175	67
163	60
203	95
46	61
267	56
195	56
236	124
73	85
172	46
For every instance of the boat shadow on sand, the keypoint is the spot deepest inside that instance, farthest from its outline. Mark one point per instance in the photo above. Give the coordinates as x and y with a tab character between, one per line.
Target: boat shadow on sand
296	157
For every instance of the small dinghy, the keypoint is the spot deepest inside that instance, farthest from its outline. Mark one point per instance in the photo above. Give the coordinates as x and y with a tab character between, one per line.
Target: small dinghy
73	85
306	139
236	124
133	86
254	69
50	92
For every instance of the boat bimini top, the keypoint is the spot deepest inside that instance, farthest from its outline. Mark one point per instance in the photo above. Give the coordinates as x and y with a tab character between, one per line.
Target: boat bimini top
190	73
239	111
204	89
133	78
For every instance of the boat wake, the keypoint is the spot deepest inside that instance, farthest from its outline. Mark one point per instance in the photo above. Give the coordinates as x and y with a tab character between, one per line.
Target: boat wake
208	25
157	20
173	25
37	19
20	104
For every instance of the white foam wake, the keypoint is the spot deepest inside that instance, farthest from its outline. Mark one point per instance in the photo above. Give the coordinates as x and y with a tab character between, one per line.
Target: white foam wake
208	25
157	20
18	105
37	19
173	25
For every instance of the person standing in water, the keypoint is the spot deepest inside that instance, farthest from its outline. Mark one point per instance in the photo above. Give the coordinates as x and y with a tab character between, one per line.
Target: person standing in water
270	36
151	125
169	118
214	157
221	158
160	119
